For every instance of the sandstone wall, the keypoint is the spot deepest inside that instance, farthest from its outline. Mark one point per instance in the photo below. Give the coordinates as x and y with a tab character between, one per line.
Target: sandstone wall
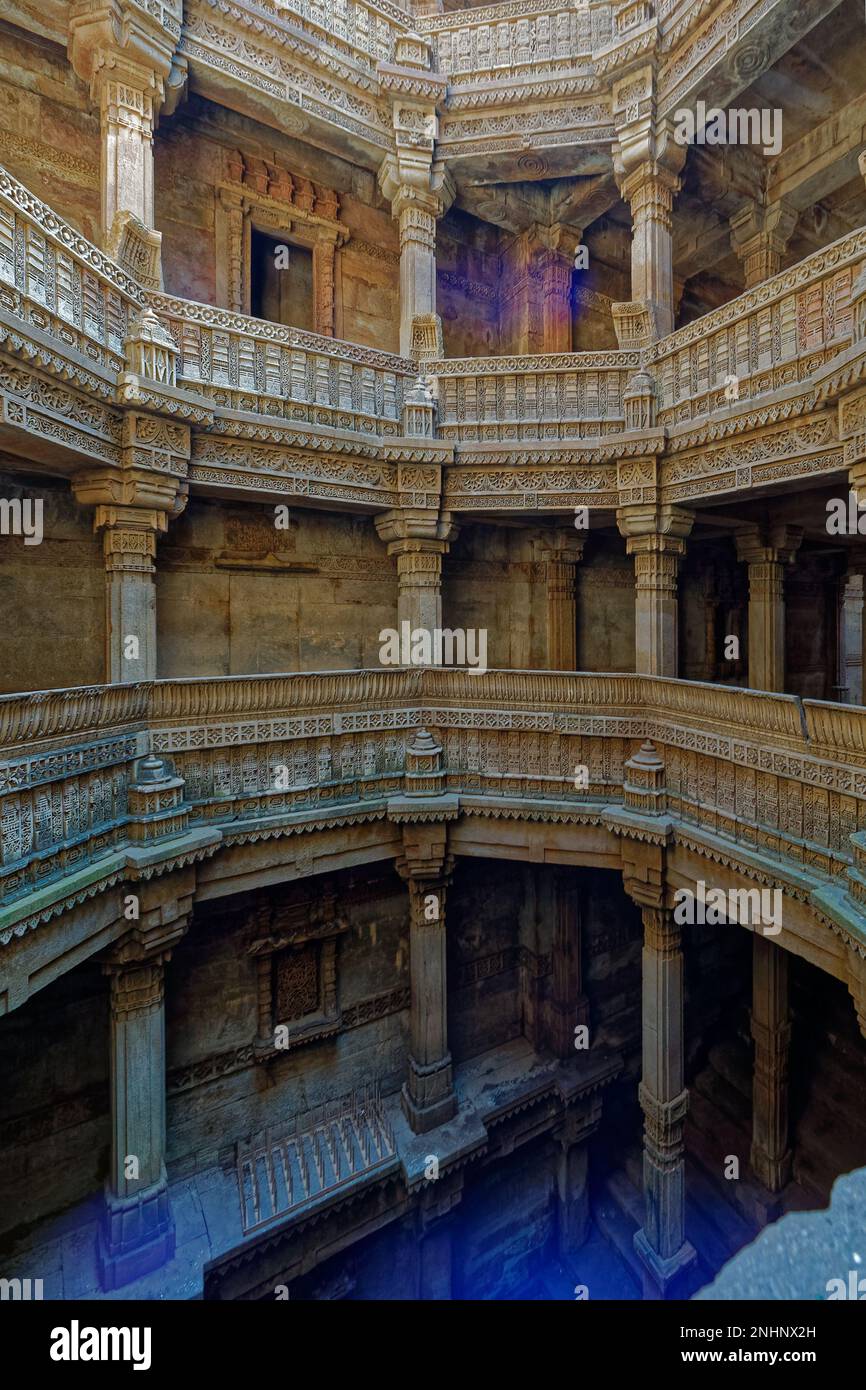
318	605
52	594
49	134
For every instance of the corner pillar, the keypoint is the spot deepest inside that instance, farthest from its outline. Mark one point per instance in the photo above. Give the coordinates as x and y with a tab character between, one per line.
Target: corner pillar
649	190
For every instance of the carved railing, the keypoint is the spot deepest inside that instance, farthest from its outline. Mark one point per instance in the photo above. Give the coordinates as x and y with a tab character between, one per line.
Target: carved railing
368	30
498	41
778	335
259	755
245	364
561	396
61	288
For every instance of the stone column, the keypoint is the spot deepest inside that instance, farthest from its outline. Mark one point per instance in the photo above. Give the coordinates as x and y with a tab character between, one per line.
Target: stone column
661	1243
771	1030
418	549
138	1234
562	556
130	511
759	237
128	97
649	190
428	1094
656	539
569	1007
766	554
849	639
126	56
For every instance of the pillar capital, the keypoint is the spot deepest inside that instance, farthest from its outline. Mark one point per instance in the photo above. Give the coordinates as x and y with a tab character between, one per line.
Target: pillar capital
776	545
760	236
663	528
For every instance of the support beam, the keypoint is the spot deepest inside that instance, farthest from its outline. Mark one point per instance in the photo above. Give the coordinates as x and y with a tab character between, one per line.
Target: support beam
418	548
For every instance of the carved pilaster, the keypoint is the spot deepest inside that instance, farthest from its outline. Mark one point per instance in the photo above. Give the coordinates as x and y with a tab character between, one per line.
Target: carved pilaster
562	556
569	1007
767	553
131	508
418	549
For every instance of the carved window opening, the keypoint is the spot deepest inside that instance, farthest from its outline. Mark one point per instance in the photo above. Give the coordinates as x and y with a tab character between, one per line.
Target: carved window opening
260	207
295	950
281	281
297	989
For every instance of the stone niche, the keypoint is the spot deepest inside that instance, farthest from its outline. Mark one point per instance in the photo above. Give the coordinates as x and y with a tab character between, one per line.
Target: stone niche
294	946
256	196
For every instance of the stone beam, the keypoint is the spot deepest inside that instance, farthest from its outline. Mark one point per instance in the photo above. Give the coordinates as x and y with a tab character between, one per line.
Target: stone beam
821	161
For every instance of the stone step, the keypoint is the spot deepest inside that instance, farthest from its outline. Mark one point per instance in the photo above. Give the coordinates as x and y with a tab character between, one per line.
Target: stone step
618	1213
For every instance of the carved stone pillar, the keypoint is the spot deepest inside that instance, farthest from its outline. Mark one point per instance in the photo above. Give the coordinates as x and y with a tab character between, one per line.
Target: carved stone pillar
649	190
535	295
324	262
428	1094
569	1007
125	54
418	189
759	237
138	1235
766	554
131	510
572	1174
418	551
656	539
661	1242
562	556
771	1030
128	98
417	212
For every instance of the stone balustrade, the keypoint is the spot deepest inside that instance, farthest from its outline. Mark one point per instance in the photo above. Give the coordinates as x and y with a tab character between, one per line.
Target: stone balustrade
73	301
250	365
774	338
557	396
778	785
501	41
778	355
